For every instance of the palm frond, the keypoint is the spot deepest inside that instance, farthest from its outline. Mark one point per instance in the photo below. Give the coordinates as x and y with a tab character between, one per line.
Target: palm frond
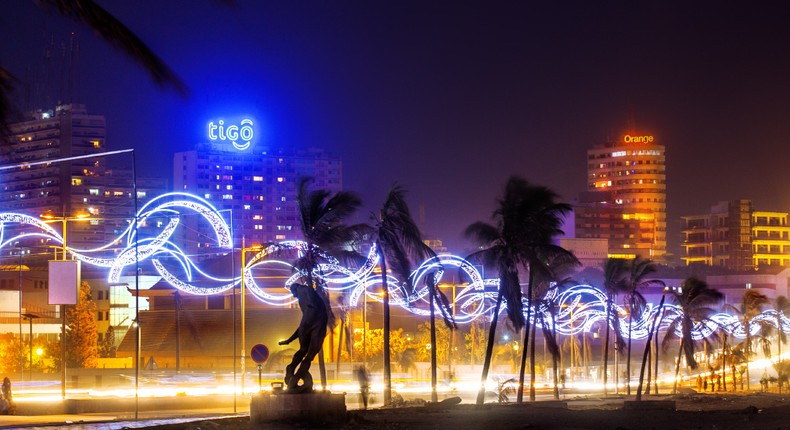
482	233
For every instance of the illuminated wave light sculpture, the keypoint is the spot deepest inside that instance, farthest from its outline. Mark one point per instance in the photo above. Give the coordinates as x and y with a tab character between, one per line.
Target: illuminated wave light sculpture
578	309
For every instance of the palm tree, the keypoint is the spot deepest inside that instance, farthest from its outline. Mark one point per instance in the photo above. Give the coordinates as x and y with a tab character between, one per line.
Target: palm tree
547	287
436	296
322	216
398	243
751	305
694	297
112	31
499	250
614	283
639	270
652	330
527	217
542	217
782	305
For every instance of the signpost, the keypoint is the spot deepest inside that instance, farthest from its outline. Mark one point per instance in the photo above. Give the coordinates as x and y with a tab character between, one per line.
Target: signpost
259	354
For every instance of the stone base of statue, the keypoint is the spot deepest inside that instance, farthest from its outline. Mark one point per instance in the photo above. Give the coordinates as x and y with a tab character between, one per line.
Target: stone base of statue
316	407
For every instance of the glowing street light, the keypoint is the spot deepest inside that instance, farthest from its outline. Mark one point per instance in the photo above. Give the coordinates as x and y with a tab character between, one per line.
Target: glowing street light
64	219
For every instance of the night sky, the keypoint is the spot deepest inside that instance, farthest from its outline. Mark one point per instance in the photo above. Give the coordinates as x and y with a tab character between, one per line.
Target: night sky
451	98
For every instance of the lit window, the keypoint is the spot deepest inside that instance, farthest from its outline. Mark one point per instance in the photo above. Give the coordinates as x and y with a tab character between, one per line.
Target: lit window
96	143
94	191
229	187
257	217
258	227
227	197
247	207
76	182
282	199
141	194
280	179
257	178
117	193
280	237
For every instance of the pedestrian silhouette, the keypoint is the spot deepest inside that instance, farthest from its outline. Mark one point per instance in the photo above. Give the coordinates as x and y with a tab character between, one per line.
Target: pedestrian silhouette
7	406
364	385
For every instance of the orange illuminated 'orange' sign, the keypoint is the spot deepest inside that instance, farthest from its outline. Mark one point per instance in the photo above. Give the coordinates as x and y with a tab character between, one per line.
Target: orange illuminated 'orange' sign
637	139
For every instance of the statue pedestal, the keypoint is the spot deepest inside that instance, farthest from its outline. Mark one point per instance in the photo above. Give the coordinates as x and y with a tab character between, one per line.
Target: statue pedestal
312	407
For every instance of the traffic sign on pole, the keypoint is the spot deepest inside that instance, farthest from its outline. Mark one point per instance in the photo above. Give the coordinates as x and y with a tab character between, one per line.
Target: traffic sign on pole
259	353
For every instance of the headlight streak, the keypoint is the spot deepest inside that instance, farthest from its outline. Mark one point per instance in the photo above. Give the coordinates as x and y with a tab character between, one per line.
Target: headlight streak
579	309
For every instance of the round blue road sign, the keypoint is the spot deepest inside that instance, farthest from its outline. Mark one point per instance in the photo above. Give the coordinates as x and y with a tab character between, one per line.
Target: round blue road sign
259	353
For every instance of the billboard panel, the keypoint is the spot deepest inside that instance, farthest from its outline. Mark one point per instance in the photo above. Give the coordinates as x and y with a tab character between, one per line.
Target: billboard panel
64	281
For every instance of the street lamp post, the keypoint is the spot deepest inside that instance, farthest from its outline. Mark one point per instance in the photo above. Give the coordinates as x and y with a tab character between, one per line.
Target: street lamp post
244	249
30	317
64	220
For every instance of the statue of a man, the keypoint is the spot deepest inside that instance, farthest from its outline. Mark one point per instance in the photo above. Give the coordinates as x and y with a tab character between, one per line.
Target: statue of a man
311	333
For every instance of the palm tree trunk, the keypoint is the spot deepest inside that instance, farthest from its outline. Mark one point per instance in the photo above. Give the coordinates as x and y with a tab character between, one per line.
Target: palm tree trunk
748	353
434	396
724	359
646	356
649	367
340	345
655	363
522	368
779	345
628	355
481	394
677	368
779	340
606	347
532	364
555	361
387	351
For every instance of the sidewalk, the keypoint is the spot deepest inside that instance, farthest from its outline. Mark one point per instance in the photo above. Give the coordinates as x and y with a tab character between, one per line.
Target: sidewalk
103	421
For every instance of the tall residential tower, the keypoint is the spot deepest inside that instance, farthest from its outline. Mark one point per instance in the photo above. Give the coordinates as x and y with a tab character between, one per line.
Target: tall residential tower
254	186
626	198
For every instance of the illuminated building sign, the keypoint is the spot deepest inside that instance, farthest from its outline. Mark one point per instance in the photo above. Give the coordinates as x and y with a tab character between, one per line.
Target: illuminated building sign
239	135
637	139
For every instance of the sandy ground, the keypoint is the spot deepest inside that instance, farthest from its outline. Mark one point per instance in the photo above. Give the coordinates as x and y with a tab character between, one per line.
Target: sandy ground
694	411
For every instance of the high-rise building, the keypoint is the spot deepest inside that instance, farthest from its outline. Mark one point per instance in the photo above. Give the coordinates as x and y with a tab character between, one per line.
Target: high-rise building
66	188
735	236
625	200
256	187
720	238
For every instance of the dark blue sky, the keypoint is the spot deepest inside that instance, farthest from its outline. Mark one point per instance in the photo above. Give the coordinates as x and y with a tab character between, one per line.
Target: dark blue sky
451	98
